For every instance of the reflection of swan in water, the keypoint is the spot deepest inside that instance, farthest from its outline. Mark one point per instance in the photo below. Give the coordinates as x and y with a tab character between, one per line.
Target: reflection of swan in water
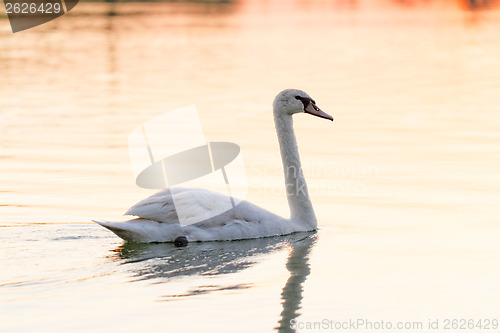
298	266
157	215
163	263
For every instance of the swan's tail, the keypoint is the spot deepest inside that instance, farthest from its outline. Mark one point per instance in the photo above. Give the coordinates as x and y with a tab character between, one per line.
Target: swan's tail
141	230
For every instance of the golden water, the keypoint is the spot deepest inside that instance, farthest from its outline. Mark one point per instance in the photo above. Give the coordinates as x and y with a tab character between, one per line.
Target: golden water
405	182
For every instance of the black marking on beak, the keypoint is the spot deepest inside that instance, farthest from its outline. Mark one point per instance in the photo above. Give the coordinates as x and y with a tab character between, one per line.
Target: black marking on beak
305	100
311	108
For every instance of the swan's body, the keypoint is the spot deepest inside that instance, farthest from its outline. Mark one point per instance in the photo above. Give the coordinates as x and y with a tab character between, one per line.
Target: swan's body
157	217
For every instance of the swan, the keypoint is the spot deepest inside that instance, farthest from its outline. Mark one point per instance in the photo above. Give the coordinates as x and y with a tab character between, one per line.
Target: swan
157	221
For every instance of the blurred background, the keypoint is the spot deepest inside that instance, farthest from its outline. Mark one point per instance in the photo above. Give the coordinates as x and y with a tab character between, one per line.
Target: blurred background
405	182
412	86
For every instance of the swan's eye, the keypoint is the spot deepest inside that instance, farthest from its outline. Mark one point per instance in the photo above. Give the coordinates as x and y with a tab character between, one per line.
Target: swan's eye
305	101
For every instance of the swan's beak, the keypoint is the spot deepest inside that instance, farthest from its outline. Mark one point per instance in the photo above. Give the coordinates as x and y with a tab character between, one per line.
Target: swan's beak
315	111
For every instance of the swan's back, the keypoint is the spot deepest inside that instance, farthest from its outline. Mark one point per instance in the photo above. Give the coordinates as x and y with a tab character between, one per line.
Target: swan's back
157	219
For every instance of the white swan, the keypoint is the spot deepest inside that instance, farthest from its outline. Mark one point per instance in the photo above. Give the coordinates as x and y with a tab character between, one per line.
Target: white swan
157	218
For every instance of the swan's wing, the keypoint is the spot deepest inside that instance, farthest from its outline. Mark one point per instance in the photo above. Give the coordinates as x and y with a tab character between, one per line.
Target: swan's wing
158	207
193	205
205	216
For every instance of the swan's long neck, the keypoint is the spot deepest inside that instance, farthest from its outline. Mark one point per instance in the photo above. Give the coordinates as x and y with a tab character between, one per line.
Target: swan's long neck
301	210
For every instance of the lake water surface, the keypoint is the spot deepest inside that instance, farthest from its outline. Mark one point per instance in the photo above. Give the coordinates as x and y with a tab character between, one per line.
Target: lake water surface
405	182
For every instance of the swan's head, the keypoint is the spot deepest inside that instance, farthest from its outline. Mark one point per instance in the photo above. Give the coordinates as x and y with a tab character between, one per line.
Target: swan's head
292	101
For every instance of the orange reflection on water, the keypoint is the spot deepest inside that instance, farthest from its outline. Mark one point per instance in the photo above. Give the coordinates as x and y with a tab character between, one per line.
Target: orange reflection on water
404	182
409	83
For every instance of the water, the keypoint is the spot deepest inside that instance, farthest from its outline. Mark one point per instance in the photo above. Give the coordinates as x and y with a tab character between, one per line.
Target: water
405	182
